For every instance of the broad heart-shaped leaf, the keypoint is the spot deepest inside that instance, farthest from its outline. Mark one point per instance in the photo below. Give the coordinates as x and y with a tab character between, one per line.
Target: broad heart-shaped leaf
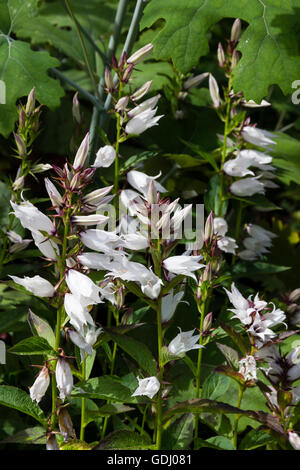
268	45
124	440
15	398
32	346
22	70
215	385
137	350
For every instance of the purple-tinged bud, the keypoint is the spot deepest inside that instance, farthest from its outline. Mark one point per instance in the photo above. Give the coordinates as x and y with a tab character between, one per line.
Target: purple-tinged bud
207	322
292	308
294	295
122	60
209	228
114	62
152	196
120	297
121	104
236	30
221	55
235	58
140	54
82	153
142	91
20	145
108	79
75	181
30	105
76	108
22	118
207	274
127	73
87	175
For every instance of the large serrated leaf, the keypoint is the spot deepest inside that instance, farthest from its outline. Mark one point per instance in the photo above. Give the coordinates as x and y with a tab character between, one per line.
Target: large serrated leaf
15	398
104	388
269	50
179	434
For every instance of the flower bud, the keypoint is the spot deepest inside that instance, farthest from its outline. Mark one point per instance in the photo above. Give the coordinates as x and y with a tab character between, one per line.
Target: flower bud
235	59
209	228
195	80
294	295
207	322
20	145
108	79
140	54
127	73
221	55
142	91
18	183
214	91
22	118
105	157
121	104
30	105
51	442
41	167
152	196
207	274
82	152
76	108
236	30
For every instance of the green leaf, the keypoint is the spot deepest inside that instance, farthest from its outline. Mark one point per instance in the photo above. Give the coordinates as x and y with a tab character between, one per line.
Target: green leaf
32	346
235	336
41	327
35	435
137	350
269	50
230	354
76	445
31	69
179	434
212	198
124	440
104	388
254	439
254	268
105	411
19	400
5	206
221	442
214	386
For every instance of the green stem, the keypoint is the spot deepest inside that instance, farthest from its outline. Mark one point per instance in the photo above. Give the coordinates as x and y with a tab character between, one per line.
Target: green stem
239	218
119	128
160	378
202	310
224	148
237	416
82	422
112	46
77	87
78	29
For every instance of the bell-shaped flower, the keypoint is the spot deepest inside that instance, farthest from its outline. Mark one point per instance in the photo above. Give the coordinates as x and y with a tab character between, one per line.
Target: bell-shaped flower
135	241
183	265
46	246
169	304
98	261
86	340
78	313
247	367
64	378
83	287
54	195
31	218
18	243
247	187
96	198
93	219
37	285
294	440
238	167
220	226
258	137
105	157
101	240
141	182
227	244
148	387
143	117
39	388
183	342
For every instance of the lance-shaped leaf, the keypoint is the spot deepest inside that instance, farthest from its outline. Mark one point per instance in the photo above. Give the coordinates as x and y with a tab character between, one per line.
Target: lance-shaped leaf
124	440
35	435
235	336
104	388
32	346
41	328
15	398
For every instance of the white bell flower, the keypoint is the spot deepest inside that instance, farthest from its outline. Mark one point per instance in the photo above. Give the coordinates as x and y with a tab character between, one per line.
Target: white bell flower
37	285
183	342
183	264
247	187
31	218
64	378
105	157
39	388
148	387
